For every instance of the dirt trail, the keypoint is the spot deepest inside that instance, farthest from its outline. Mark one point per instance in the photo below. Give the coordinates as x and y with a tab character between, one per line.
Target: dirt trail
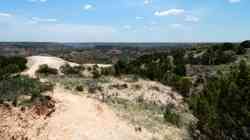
77	117
81	118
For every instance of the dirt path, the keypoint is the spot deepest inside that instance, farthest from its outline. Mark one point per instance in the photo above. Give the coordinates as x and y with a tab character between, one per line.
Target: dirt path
77	117
81	118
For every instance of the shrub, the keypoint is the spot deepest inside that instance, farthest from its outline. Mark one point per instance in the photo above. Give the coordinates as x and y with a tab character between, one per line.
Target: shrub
120	67
240	50
68	70
94	87
140	99
136	87
107	71
223	107
119	86
14	87
95	72
184	85
11	65
89	68
245	44
79	88
156	88
46	70
170	116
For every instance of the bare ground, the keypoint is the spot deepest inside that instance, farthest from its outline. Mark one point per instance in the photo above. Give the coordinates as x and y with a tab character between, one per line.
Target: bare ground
78	117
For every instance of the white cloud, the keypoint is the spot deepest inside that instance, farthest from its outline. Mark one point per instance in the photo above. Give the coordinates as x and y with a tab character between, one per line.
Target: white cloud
37	0
139	18
88	7
37	19
127	27
153	23
191	18
234	1
5	15
170	12
146	2
176	25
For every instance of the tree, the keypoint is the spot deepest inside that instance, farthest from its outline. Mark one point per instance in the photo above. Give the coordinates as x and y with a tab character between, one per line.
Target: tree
245	44
95	72
120	67
227	46
223	108
45	69
184	86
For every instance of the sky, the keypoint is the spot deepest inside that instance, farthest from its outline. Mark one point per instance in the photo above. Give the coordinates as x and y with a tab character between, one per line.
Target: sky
125	20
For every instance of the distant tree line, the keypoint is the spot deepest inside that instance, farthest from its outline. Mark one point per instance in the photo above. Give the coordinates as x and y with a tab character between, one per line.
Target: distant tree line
219	54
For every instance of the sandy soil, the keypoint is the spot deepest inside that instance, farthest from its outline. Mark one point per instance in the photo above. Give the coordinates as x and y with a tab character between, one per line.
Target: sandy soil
77	117
35	61
81	118
149	91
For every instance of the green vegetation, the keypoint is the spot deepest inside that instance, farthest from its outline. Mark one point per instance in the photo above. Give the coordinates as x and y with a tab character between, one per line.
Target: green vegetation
184	85
221	101
69	70
15	88
79	88
223	108
96	73
10	65
46	70
245	44
141	114
171	116
168	68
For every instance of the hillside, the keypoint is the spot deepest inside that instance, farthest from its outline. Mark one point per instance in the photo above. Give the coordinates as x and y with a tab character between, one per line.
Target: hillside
99	115
198	93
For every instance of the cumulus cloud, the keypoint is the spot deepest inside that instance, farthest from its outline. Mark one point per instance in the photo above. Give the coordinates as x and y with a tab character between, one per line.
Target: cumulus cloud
234	1
88	7
170	12
5	14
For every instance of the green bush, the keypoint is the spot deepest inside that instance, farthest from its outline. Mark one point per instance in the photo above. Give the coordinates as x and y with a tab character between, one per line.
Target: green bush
79	88
171	116
14	87
107	71
184	85
46	70
95	72
69	70
11	65
223	108
245	44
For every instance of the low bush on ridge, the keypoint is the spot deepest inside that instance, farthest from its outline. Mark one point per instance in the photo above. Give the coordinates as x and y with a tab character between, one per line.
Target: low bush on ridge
69	70
11	65
13	87
46	70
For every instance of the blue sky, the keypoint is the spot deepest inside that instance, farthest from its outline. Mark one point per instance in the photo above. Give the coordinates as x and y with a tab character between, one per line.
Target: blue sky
125	20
